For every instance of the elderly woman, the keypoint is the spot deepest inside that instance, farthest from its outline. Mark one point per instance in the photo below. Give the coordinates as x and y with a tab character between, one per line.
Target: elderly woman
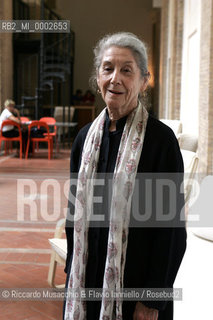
124	140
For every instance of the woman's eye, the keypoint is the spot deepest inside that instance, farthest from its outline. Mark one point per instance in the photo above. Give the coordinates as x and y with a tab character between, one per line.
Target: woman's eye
107	69
126	70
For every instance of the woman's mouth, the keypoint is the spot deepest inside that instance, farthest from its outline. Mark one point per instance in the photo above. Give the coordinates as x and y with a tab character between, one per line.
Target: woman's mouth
115	92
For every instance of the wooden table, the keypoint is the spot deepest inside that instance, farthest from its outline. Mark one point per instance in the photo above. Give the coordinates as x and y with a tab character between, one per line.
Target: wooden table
86	114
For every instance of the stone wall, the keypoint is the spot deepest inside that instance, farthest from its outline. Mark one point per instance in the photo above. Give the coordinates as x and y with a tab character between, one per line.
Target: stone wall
206	89
171	65
177	60
170	68
6	55
163	58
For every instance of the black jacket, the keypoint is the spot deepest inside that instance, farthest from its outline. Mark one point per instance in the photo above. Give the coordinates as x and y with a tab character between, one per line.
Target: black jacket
153	254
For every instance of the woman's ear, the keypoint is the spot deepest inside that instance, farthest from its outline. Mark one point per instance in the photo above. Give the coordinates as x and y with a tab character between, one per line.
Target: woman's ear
98	82
145	82
144	85
98	85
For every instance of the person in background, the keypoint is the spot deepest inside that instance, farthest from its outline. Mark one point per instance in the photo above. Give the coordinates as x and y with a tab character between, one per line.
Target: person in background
11	113
89	98
123	140
78	98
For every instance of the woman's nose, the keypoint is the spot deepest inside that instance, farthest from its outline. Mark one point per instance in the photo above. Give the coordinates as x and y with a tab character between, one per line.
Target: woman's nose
116	79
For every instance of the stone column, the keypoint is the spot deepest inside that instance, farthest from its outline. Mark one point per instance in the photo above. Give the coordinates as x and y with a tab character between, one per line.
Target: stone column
171	58
6	55
205	150
163	57
177	60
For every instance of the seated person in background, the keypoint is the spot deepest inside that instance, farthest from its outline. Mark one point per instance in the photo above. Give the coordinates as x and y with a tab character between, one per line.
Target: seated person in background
88	98
78	98
10	113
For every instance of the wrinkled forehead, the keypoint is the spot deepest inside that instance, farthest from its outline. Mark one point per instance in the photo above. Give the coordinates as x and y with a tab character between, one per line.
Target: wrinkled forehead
115	53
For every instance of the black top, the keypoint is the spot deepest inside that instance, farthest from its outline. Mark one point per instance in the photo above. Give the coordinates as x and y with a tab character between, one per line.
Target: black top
153	254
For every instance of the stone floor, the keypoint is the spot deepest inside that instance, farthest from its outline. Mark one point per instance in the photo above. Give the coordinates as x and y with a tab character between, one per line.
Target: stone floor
26	189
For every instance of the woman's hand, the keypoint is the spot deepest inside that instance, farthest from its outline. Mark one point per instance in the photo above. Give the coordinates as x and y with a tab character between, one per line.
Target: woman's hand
144	313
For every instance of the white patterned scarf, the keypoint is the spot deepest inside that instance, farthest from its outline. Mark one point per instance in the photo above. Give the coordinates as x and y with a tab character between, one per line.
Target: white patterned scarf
123	185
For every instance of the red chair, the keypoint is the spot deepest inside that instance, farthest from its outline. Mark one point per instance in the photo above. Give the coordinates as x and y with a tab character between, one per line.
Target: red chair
10	139
51	121
46	138
24	119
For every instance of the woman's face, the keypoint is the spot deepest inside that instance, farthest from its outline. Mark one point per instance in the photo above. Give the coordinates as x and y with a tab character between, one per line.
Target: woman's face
119	80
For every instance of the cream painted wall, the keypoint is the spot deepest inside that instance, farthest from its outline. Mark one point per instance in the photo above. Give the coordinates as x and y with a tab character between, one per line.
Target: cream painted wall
90	20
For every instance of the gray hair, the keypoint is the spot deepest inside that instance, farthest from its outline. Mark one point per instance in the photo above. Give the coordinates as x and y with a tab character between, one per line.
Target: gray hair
123	40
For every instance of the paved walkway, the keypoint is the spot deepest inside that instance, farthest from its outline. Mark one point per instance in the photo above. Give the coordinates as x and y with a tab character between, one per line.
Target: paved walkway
32	200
